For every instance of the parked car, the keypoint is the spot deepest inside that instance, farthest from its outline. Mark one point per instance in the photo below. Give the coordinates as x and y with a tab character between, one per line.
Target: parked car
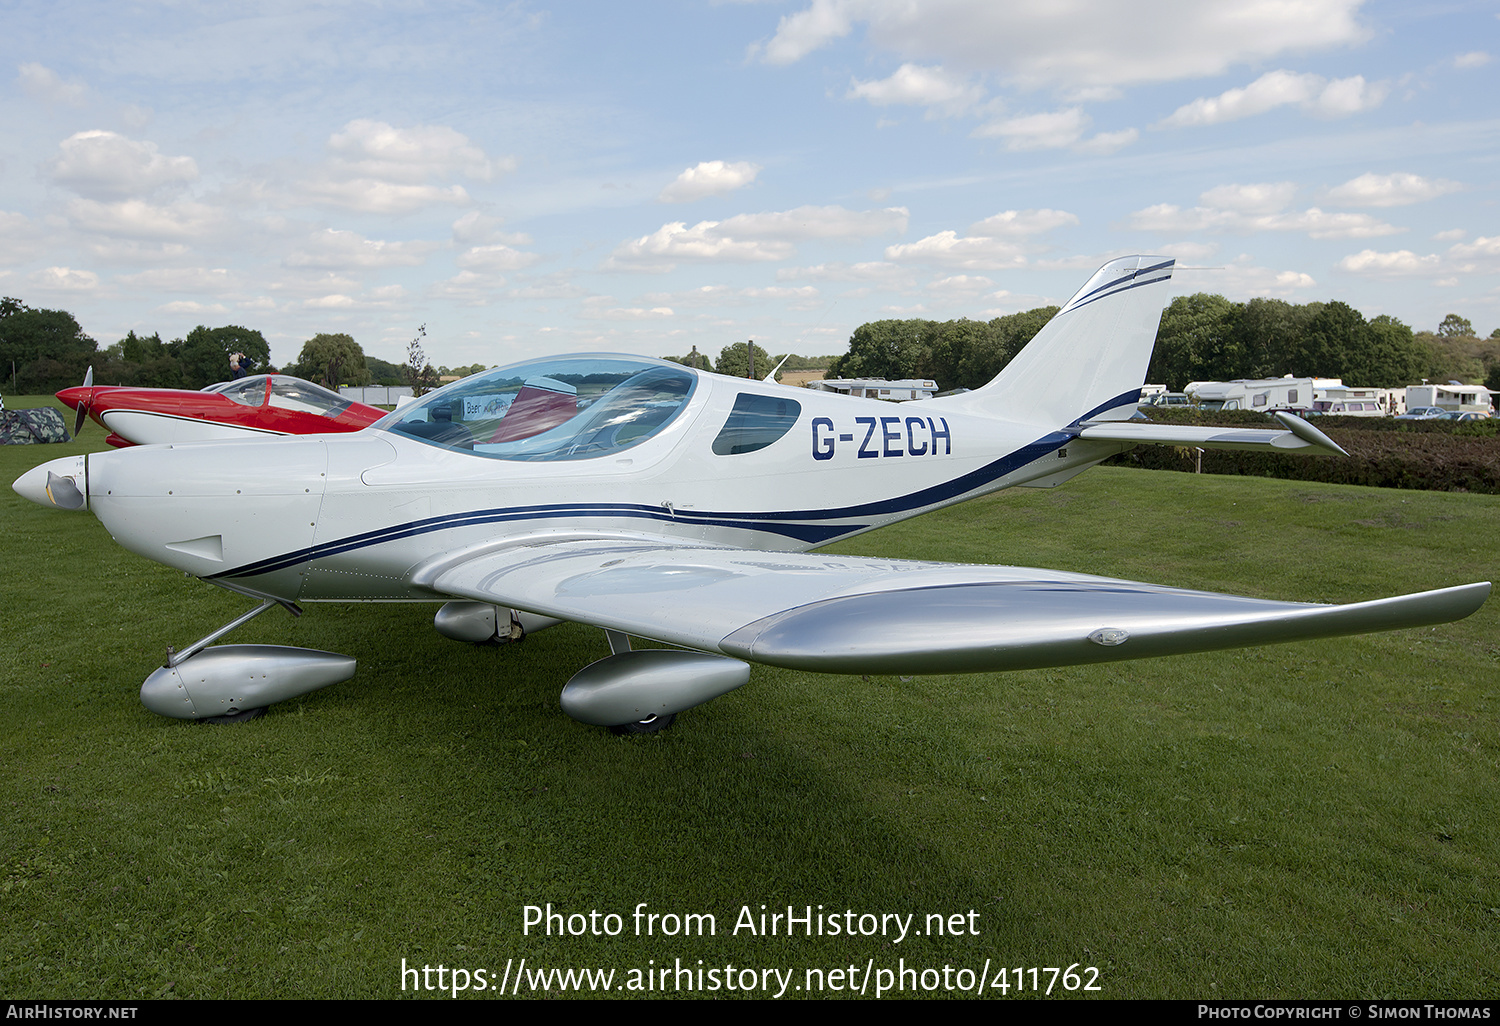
1423	413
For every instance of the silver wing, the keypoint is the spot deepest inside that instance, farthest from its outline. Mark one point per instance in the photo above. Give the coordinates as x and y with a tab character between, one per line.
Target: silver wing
848	614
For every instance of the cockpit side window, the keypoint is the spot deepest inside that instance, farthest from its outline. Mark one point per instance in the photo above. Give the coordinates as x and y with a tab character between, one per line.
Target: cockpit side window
246	391
304	397
755	422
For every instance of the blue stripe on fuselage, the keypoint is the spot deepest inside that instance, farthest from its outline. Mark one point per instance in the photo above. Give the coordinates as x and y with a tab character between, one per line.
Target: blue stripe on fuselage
775	522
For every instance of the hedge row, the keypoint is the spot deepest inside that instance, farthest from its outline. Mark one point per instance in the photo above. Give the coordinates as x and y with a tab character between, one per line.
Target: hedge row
1431	459
1488	428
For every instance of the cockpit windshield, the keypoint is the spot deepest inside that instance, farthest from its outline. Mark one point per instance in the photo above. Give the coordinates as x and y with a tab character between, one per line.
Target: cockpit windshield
573	408
285	392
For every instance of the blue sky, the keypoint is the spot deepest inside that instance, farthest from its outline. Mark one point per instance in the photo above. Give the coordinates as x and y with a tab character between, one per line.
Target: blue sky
529	179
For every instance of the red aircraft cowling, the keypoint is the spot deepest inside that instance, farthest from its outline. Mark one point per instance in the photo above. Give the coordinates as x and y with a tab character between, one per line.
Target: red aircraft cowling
264	404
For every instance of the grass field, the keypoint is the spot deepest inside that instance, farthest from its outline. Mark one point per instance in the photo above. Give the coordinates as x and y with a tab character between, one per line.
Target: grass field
1311	820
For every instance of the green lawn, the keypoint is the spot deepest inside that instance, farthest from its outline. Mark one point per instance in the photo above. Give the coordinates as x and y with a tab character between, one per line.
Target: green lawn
1314	820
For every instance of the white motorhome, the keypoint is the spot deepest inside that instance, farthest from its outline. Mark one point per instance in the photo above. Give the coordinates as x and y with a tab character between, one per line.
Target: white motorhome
1453	397
1260	394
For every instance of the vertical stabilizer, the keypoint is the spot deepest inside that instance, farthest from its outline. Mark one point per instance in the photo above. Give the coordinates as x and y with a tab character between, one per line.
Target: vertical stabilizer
1090	360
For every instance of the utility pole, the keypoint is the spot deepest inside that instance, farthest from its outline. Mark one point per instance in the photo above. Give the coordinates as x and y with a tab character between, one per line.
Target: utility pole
750	348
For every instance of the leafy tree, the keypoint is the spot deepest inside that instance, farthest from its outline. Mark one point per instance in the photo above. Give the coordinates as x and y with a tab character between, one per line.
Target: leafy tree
419	374
1196	341
383	373
1391	357
1267	336
1454	325
885	349
1002	339
1333	342
49	349
204	355
332	359
947	346
694	359
734	360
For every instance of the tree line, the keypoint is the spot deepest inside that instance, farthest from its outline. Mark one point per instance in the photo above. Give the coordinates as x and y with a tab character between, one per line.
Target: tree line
44	351
1202	337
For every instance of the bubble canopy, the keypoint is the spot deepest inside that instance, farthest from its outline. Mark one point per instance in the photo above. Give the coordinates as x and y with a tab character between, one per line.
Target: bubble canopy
568	408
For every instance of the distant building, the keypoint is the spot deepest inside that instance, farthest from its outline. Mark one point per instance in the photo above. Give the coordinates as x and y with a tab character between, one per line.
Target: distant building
375	395
901	391
1300	395
1454	397
1261	394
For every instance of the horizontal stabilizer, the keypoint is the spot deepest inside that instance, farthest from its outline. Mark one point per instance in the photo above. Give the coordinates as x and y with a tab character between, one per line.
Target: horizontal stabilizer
849	614
1300	437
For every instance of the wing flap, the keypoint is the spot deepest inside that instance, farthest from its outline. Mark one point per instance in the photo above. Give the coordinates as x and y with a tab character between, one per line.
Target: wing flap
848	614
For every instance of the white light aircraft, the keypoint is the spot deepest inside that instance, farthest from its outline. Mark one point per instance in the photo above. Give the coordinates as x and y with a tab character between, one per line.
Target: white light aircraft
658	502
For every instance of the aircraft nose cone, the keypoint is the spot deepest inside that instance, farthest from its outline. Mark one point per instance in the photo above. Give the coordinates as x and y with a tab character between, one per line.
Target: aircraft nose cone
71	397
60	484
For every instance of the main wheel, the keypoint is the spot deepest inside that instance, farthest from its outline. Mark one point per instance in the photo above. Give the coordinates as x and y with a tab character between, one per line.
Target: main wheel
243	716
650	725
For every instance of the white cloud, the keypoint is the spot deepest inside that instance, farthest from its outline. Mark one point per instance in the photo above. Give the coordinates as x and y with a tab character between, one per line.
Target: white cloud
709	178
182	279
189	306
1240	277
495	258
961	284
63	279
138	219
333	302
45	84
1037	131
104	165
1344	96
1480	247
880	271
1259	198
1022	222
817	223
997	242
948	248
374	149
1482	257
765	236
1476	59
332	248
1401	263
19	238
375	197
1372	190
476	229
378	169
1313	93
470	288
1108	142
1166	217
919	86
657	251
595	310
1086	43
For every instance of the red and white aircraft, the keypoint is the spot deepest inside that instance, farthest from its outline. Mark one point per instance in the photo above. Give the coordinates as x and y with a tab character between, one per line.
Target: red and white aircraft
258	406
